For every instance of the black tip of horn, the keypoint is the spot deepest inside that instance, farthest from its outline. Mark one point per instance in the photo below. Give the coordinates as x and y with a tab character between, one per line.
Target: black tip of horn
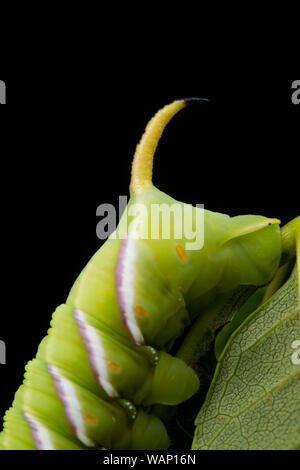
195	100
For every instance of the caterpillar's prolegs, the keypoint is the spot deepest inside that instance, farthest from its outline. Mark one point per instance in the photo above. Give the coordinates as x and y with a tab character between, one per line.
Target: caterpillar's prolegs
59	399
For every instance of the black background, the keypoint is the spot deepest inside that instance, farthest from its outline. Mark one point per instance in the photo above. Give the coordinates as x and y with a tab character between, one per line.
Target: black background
76	108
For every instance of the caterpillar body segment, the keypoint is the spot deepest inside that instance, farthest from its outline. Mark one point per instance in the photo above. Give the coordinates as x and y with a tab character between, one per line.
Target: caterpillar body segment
106	356
82	420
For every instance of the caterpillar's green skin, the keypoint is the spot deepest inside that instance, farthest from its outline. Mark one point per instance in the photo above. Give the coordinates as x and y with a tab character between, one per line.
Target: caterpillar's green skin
105	356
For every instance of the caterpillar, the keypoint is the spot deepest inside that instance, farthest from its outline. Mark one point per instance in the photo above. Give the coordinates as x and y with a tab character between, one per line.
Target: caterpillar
106	358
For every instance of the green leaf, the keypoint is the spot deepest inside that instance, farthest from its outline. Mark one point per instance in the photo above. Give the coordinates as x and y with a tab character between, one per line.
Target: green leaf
247	308
254	398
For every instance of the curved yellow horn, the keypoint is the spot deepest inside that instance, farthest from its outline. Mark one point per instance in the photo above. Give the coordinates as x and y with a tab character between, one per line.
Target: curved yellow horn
142	165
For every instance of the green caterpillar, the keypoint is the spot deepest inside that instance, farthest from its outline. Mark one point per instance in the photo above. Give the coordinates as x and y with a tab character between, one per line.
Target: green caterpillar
105	359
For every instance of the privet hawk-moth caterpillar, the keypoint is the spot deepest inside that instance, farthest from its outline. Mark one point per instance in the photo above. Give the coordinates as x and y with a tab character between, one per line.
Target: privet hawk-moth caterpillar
105	358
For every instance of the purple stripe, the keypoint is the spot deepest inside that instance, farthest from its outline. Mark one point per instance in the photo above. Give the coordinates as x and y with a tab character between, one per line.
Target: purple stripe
64	399
119	274
91	353
34	432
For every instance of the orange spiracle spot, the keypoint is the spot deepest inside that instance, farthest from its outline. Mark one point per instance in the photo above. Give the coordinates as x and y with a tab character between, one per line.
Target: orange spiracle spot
90	419
141	311
114	366
181	253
